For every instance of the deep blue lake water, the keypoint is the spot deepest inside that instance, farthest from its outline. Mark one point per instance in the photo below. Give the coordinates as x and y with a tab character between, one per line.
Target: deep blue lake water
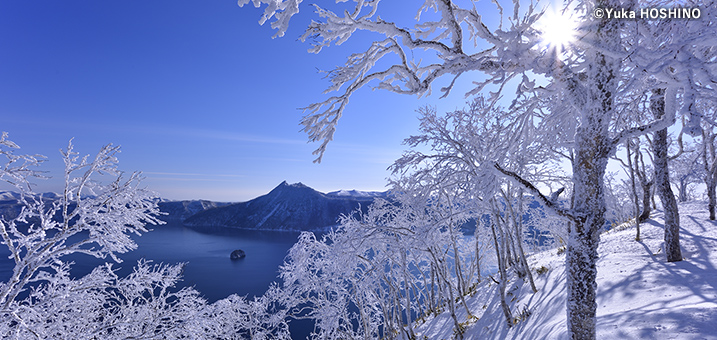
209	268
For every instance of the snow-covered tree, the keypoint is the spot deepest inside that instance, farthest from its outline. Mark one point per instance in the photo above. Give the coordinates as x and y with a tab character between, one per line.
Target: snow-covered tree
145	304
18	170
618	199
89	218
685	171
636	169
41	300
468	145
646	180
662	181
611	59
378	271
709	157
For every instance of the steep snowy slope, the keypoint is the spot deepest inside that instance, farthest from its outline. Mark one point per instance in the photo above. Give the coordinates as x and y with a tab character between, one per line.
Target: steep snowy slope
640	294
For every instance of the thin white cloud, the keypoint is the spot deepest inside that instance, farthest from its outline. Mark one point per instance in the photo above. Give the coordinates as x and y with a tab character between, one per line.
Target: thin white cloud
195	179
189	174
169	131
191	177
217	134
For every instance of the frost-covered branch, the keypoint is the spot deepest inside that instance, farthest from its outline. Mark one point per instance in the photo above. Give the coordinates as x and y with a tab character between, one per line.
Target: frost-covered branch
656	125
548	203
18	169
89	218
442	41
145	304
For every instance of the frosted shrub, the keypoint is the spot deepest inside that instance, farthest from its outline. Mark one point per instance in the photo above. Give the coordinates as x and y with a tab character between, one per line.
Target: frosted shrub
41	299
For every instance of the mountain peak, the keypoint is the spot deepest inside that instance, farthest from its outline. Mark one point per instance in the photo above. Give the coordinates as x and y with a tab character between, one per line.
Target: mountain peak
287	207
292	190
285	186
293	185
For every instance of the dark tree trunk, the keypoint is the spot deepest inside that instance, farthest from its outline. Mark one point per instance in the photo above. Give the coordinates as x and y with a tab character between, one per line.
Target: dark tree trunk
635	197
581	257
501	256
646	191
646	185
712	202
710	166
592	147
662	181
683	189
646	209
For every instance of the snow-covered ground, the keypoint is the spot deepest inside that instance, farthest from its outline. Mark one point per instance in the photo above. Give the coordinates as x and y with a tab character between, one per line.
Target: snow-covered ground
640	294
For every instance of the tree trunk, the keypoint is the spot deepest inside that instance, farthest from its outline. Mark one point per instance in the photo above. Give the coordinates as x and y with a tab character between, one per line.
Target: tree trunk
710	166
517	219
712	202
646	193
592	147
501	257
683	189
462	284
652	198
662	180
581	256
477	249
408	329
635	197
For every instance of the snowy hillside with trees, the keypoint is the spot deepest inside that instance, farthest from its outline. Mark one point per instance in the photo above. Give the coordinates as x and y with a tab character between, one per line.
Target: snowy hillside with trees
577	97
639	295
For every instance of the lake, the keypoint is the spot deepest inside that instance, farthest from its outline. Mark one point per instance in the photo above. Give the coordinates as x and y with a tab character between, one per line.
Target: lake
206	254
208	267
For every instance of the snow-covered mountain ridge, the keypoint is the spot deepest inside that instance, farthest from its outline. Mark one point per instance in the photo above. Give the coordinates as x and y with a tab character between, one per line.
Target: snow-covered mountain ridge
356	193
178	211
640	295
287	207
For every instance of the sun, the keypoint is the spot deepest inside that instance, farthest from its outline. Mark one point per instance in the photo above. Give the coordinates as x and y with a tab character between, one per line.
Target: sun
558	29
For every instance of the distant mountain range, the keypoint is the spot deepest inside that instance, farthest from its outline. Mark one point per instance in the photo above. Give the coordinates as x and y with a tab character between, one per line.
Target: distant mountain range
10	206
287	207
178	211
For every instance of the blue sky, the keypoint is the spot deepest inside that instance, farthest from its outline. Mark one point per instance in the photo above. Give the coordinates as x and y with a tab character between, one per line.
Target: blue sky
198	95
